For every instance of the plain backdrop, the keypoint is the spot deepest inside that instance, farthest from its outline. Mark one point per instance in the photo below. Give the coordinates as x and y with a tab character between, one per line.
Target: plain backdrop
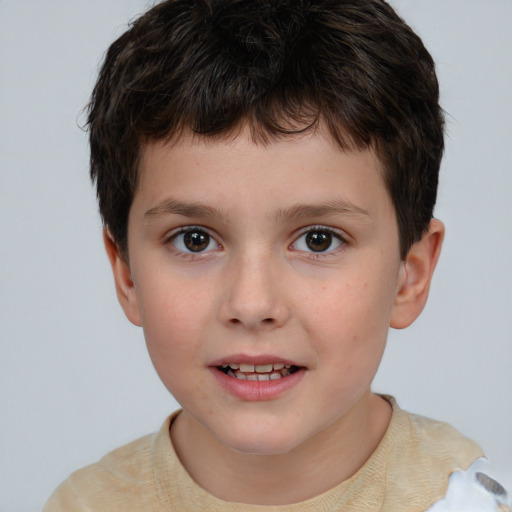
74	374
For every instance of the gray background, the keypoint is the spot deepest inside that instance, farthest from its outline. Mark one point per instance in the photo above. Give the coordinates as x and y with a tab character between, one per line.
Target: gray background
75	380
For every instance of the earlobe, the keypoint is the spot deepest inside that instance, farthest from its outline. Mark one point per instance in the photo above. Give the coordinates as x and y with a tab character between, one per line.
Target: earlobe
416	275
125	289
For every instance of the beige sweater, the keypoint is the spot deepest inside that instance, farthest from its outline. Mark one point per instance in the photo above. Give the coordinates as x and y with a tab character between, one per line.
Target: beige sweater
408	472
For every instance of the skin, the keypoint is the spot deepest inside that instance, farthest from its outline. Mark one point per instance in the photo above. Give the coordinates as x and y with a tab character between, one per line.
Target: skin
260	288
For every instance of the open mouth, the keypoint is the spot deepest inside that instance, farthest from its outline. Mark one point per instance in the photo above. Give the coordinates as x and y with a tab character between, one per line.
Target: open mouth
260	372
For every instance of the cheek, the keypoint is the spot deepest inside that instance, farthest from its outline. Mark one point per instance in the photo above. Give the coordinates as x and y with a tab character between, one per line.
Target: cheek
174	319
353	315
355	326
172	303
359	305
173	332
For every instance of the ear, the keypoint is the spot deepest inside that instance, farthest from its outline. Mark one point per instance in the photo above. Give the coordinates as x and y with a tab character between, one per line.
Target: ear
126	293
415	276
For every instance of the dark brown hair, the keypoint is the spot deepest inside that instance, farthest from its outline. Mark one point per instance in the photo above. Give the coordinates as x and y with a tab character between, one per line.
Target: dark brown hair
280	67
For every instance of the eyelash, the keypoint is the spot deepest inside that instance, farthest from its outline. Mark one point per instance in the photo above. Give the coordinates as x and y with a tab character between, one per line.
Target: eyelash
171	239
336	235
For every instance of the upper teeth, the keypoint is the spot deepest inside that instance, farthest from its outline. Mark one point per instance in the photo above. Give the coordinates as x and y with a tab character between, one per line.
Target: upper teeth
258	368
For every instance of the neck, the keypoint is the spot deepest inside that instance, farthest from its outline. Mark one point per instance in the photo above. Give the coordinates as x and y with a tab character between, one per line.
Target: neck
310	469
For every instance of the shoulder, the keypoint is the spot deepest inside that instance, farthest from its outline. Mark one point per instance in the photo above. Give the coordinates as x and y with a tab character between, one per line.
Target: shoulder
121	480
423	453
439	440
429	439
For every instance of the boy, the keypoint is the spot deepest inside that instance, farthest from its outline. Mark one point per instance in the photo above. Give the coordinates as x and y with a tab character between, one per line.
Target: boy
266	174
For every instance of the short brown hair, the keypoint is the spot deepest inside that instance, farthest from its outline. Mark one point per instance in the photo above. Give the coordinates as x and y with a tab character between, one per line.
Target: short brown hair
279	66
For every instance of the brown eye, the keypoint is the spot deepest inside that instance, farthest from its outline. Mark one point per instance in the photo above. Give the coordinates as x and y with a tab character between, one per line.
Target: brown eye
193	240
196	241
318	241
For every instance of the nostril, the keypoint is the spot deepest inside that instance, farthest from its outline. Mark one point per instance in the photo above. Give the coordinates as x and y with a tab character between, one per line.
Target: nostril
265	321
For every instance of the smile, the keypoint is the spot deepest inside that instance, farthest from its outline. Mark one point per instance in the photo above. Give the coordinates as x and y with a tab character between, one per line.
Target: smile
258	372
257	378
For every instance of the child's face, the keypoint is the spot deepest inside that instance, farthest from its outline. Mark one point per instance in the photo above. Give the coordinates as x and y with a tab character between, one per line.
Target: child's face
248	254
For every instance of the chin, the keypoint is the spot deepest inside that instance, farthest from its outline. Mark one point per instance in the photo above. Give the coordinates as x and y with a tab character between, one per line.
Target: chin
260	442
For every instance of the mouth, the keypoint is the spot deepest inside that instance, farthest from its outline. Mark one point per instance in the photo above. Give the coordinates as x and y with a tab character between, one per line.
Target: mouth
257	378
258	372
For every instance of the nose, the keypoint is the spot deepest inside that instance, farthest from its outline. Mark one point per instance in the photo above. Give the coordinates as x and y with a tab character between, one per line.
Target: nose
254	297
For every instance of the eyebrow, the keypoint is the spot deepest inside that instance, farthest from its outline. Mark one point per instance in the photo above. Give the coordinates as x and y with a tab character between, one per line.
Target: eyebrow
173	207
335	207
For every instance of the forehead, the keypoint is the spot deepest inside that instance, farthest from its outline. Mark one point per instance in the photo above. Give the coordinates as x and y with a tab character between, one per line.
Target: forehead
243	141
233	177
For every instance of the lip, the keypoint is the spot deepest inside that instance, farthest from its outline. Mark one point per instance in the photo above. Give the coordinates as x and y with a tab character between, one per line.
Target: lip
253	391
247	359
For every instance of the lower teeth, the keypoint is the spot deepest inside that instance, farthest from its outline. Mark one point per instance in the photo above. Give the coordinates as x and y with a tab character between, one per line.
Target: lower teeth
258	376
